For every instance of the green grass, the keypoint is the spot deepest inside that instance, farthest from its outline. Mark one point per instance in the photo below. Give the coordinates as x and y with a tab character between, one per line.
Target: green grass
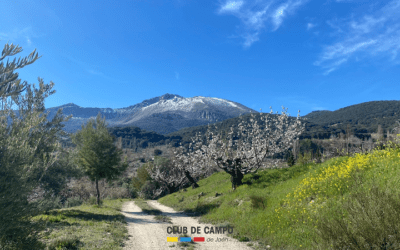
312	206
146	208
163	218
85	227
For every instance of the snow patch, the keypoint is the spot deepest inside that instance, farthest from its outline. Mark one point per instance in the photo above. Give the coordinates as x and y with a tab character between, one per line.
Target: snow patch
179	103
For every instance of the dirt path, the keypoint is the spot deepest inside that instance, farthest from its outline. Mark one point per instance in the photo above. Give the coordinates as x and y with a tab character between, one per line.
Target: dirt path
146	233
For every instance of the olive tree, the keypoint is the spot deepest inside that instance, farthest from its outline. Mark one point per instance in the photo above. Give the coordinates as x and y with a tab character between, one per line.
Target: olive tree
28	147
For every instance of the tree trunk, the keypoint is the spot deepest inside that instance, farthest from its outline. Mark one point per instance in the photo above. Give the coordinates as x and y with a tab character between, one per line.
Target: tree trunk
98	192
236	178
171	189
190	178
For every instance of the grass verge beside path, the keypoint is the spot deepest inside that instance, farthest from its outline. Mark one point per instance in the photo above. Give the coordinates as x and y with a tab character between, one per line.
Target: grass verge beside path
215	201
313	206
85	227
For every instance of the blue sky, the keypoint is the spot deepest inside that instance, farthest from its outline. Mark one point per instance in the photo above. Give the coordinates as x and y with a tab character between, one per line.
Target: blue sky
307	55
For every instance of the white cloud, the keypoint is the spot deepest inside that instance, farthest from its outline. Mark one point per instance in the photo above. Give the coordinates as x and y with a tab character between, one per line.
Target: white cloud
369	36
367	25
334	66
176	75
334	26
285	9
25	34
319	108
310	26
231	6
257	19
279	14
249	39
255	15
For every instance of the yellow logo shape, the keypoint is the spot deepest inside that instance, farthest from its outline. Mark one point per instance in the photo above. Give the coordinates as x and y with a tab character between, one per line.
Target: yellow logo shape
172	239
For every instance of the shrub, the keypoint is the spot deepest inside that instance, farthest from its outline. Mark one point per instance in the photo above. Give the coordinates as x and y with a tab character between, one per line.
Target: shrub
82	188
117	193
257	202
244	239
132	192
305	158
308	146
73	202
142	175
366	220
148	189
48	204
67	242
290	159
157	152
93	201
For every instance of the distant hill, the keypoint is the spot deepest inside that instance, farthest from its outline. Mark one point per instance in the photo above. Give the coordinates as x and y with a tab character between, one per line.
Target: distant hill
363	119
316	114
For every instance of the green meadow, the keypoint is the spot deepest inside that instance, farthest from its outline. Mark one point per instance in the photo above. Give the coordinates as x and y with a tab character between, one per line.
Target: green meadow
85	227
343	203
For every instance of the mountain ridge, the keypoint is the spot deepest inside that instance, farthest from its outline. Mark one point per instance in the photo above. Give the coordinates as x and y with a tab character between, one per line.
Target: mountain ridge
162	114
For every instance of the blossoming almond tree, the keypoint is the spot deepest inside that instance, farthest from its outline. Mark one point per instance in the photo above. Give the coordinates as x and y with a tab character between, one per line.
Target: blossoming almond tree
177	172
189	162
169	176
253	146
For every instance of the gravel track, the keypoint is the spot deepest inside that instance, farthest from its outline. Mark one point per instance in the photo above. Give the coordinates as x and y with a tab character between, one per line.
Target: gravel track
146	233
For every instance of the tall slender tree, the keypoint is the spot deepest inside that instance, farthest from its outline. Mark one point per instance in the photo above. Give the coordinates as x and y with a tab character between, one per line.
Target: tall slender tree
348	135
380	136
97	154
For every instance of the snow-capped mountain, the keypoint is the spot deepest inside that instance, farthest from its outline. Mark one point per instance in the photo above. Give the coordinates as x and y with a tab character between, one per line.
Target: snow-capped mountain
164	114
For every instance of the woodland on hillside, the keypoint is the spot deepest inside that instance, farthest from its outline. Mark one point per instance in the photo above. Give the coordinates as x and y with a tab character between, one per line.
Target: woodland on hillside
140	145
363	119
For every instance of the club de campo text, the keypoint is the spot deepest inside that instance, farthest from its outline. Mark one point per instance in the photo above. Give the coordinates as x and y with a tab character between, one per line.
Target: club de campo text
197	230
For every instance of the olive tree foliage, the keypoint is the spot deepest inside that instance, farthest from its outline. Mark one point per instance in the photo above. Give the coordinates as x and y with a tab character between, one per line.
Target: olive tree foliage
253	145
98	157
28	148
